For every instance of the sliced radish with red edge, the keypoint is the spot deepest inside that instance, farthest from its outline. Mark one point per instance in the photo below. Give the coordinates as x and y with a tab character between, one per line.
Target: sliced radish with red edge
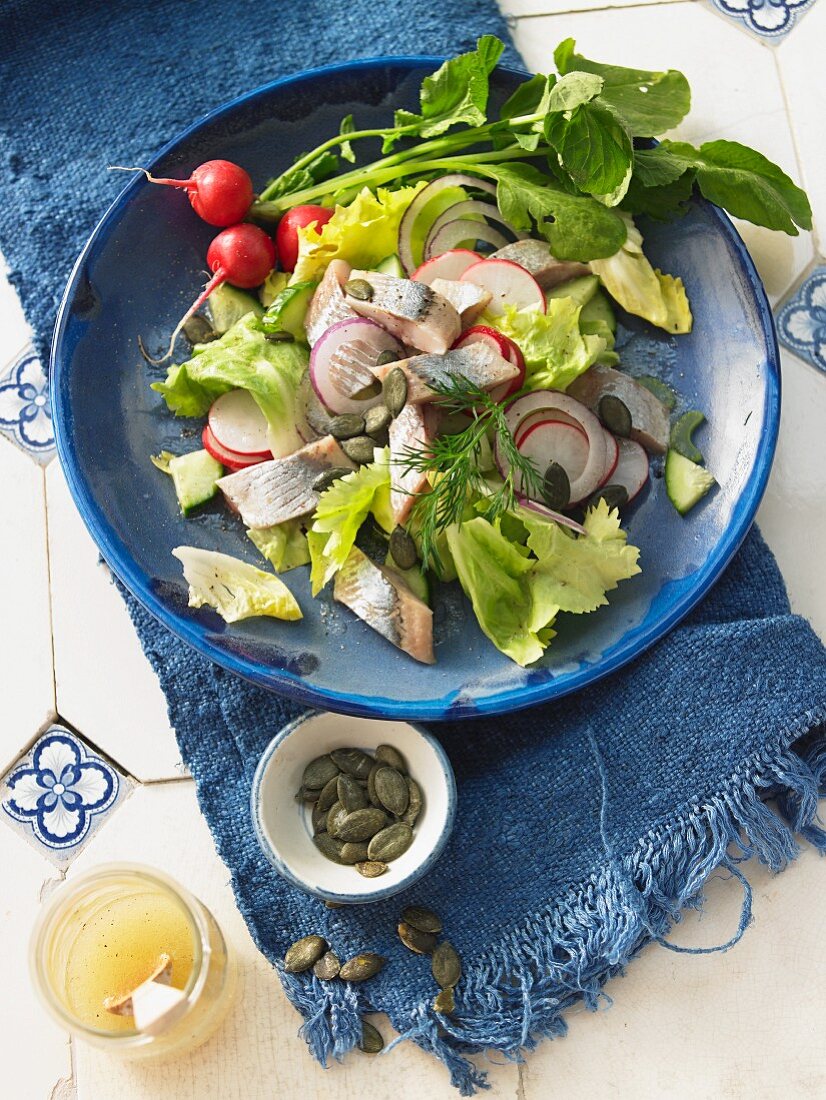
508	284
230	459
612	458
632	468
506	348
552	441
530	422
238	425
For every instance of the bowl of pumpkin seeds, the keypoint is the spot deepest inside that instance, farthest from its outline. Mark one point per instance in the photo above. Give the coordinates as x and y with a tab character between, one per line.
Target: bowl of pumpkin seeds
353	809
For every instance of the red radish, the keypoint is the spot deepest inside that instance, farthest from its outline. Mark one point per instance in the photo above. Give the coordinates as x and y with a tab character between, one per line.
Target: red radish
549	513
230	459
545	417
220	192
242	256
341	361
508	283
553	441
450	265
237	424
611	460
286	236
632	469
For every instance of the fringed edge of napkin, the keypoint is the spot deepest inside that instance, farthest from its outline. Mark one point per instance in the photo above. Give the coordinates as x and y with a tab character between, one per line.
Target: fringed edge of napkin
517	994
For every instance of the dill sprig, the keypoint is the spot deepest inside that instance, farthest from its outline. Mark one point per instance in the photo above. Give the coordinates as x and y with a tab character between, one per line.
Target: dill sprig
452	465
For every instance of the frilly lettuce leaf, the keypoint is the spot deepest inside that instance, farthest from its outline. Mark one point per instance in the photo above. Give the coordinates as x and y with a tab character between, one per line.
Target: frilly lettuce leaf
284	545
236	589
555	350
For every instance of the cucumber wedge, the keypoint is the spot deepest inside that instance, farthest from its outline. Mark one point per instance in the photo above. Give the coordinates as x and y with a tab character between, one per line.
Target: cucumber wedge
598	312
582	289
194	476
681	435
288	310
391	265
228	304
685	481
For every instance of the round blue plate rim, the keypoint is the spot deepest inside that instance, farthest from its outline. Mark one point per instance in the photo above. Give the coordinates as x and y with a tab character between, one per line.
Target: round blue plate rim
118	557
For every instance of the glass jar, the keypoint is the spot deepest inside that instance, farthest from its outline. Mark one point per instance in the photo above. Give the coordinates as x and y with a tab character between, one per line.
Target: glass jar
101	935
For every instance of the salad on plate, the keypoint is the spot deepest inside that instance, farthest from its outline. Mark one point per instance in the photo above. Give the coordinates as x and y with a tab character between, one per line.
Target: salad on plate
409	372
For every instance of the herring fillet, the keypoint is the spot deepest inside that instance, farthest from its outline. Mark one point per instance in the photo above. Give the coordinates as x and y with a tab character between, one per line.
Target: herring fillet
538	260
466	298
650	425
478	363
282	489
411	430
411	311
327	304
380	597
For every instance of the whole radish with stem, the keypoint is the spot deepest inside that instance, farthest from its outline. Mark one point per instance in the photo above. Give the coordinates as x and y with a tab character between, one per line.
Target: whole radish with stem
220	192
243	256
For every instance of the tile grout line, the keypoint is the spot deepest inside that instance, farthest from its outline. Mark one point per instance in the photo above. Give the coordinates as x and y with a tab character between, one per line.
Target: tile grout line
514	18
49	582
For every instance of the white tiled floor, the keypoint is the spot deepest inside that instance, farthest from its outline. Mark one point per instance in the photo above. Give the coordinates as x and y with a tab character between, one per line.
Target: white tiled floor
740	1025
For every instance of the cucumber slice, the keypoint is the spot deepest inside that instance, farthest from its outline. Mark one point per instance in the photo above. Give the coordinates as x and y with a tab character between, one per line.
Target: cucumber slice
685	481
391	265
228	304
582	289
288	310
659	388
681	435
598	311
194	476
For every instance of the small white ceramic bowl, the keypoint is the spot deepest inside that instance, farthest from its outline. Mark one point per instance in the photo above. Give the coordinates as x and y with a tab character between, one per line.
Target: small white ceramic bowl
284	827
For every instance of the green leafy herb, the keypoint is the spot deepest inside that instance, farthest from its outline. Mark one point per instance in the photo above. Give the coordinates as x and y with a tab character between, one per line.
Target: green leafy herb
573	90
346	148
594	147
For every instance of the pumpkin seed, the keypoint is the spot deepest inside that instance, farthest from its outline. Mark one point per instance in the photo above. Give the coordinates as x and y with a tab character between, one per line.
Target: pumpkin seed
421	943
556	486
359	448
198	330
385	357
423	919
327	966
329	794
319	772
390	843
615	496
403	548
359	289
335	815
304	953
614	414
319	819
361	967
444	1002
371	1041
394	391
392	790
372	389
361	824
371	868
446	965
328	846
307	794
371	786
414	806
279	337
324	480
353	762
387	754
346	426
350	793
354	851
377	420
334	904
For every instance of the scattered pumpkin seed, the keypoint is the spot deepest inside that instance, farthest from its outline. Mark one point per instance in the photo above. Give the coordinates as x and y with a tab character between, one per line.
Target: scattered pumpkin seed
390	843
446	965
421	943
392	790
319	772
324	480
371	1041
346	426
350	793
394	391
614	414
279	337
327	966
353	762
371	868
361	824
423	919
377	420
304	953
371	786
387	754
403	548
329	794
328	846
414	806
444	1002
359	448
556	486
359	289
335	816
354	851
372	389
198	330
615	496
361	967
385	357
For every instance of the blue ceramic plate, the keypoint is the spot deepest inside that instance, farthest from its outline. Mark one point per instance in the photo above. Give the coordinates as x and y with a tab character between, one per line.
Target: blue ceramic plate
139	272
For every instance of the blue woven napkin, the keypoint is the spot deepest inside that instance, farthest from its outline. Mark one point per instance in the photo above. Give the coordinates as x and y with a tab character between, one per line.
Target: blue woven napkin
585	826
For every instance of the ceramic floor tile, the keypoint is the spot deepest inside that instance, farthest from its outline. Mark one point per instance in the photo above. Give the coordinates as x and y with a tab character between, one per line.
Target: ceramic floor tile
60	793
26	679
800	59
257	1054
801	323
105	686
25	406
736	92
769	22
14	329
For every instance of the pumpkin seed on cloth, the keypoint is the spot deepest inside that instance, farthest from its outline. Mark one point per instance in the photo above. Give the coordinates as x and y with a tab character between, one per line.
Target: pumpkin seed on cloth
445	1002
421	943
304	953
371	1041
362	967
392	790
423	919
327	966
446	965
390	843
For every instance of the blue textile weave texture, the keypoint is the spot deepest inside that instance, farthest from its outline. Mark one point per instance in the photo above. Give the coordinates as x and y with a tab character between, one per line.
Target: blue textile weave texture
584	827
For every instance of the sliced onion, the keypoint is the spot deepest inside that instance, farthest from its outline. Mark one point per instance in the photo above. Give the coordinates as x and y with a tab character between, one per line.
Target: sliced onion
462	211
421	200
341	361
549	513
450	265
456	233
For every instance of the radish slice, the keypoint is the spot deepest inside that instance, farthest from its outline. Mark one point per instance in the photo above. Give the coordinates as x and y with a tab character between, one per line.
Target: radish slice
450	265
612	458
546	417
508	283
549	513
456	233
237	424
341	359
231	459
632	468
420	202
553	441
551	404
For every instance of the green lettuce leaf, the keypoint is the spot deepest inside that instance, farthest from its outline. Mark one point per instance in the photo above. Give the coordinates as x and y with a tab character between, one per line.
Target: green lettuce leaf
236	589
363	233
242	359
284	545
340	512
555	350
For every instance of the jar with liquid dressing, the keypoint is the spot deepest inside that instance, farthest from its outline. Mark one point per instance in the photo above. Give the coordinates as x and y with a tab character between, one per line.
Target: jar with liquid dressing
105	935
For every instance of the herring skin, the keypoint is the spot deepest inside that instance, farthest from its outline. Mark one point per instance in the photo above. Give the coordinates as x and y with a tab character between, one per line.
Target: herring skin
327	305
478	363
538	260
411	311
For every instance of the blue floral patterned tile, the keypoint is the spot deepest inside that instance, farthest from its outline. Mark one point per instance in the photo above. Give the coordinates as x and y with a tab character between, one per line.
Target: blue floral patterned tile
770	19
60	793
801	322
25	408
